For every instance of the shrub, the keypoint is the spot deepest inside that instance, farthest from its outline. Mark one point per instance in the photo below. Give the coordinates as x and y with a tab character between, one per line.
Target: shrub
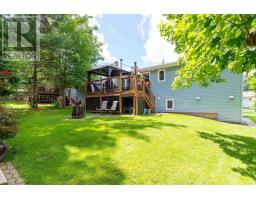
8	123
57	104
30	103
253	104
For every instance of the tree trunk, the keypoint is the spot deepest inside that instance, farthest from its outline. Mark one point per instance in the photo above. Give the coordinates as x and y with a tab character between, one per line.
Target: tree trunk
69	95
34	94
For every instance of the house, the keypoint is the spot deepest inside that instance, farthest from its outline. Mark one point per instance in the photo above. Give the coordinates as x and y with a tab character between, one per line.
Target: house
222	101
248	99
150	89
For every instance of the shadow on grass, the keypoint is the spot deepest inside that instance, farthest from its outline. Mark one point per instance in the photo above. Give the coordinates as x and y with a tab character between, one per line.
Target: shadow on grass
239	147
53	150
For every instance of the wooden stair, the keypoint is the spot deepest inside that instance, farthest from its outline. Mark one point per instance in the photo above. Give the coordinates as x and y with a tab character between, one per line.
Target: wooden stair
148	96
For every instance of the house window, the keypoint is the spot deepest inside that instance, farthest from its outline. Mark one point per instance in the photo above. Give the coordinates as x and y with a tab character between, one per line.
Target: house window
161	75
169	104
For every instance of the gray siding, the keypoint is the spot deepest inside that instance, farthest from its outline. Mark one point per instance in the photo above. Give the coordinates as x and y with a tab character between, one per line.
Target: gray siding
214	99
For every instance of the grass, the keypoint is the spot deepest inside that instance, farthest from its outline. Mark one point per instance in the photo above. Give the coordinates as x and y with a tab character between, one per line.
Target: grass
51	148
251	114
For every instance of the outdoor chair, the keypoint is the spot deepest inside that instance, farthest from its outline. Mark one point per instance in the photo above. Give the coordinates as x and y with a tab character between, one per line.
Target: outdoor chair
97	87
103	106
113	107
127	109
92	88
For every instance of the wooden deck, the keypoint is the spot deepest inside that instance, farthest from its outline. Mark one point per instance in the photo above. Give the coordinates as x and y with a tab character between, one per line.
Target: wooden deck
122	86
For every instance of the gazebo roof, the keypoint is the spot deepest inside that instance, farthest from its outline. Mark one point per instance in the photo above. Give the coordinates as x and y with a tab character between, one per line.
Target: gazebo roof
108	71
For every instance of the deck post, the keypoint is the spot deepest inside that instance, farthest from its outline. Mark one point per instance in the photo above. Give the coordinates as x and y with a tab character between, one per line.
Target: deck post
85	90
101	89
136	99
136	96
134	88
100	101
134	105
137	105
120	94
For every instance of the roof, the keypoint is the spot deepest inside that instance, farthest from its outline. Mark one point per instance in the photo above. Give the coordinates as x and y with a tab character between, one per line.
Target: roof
157	67
109	70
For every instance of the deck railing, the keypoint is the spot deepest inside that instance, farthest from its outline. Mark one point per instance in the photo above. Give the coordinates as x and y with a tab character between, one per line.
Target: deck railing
121	85
110	85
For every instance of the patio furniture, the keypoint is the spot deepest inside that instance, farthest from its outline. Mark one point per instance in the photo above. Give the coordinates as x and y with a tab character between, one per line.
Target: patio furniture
113	107
127	109
103	106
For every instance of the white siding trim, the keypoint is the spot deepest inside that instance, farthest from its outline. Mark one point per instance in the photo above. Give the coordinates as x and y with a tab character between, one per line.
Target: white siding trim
158	72
166	104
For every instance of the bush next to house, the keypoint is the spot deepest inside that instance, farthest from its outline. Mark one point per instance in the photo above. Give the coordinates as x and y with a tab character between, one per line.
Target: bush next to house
8	123
8	127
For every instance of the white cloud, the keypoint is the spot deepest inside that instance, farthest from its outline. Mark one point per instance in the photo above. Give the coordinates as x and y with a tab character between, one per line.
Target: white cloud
141	27
108	57
155	46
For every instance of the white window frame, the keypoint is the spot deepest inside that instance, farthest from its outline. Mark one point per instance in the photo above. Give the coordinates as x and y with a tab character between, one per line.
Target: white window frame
166	104
159	75
148	75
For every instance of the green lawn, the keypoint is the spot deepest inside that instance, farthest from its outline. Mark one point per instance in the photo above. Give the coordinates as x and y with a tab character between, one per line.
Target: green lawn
251	114
51	148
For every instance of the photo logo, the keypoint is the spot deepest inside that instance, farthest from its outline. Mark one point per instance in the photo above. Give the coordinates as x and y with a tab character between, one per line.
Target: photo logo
20	38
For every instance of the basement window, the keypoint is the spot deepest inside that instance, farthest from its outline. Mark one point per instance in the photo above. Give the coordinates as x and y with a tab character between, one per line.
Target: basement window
169	104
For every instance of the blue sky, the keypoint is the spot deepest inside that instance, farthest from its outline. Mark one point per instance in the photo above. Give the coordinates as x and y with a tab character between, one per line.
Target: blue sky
133	38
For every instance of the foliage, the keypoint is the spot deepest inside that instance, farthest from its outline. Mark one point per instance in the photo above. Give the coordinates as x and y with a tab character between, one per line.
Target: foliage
251	80
251	114
8	123
209	44
19	69
162	149
30	104
68	50
57	104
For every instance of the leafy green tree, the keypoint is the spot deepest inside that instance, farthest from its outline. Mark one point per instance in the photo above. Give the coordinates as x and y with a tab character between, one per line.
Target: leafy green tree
19	68
68	50
209	44
251	79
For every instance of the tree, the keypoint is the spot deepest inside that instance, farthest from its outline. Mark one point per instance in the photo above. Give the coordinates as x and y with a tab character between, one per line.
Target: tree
209	44
68	50
19	68
251	79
